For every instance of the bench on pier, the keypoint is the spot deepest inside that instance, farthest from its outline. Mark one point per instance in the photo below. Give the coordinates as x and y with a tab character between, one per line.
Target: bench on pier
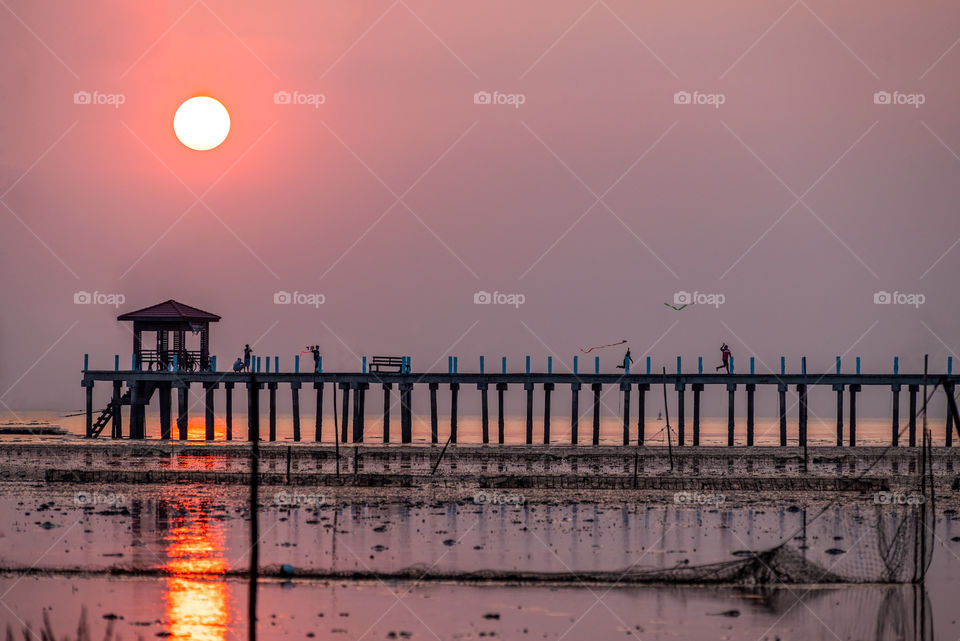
379	362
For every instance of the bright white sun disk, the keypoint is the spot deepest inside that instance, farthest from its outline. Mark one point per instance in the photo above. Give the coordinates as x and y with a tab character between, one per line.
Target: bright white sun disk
201	123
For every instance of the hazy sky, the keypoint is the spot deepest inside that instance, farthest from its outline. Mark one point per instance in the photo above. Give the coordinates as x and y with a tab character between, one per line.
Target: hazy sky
788	190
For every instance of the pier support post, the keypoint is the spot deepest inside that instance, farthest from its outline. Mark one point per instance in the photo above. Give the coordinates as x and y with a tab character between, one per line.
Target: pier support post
183	389
166	400
854	388
454	396
838	388
625	389
406	413
229	409
751	390
295	408
318	419
386	411
680	387
642	390
802	390
434	428
484	413
501	388
547	391
272	400
948	438
731	388
117	419
697	388
138	411
895	436
359	410
574	412
88	393
596	387
913	389
344	409
253	411
782	405
208	409
529	433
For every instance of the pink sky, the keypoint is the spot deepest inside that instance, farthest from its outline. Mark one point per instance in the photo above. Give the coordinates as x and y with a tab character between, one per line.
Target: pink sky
492	197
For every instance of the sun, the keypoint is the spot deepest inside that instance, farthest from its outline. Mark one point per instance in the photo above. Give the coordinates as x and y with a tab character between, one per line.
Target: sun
201	123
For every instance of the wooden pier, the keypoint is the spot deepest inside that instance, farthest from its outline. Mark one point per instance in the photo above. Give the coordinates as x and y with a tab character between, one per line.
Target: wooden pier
143	386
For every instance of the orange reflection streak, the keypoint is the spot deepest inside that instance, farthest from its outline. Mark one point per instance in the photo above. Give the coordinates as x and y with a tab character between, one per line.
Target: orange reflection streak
196	596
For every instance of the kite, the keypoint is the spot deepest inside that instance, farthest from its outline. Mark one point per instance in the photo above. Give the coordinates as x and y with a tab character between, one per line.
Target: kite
587	351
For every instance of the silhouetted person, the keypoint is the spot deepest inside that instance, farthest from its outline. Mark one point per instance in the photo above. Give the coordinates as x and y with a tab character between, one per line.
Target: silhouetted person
246	356
627	361
238	365
725	353
315	350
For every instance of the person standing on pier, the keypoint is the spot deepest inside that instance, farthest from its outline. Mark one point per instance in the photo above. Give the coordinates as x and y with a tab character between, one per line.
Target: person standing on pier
627	361
315	350
725	353
246	356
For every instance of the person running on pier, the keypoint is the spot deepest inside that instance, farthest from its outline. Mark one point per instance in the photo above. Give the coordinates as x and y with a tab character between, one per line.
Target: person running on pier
315	350
627	361
725	353
246	356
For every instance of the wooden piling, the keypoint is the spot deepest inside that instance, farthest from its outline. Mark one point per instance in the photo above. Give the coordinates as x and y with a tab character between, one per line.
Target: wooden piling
642	390
208	389
731	388
838	388
547	391
596	387
625	389
88	394
782	403
802	390
386	411
454	410
913	389
344	408
895	436
501	388
853	414
529	433
360	407
680	388
253	410
434	419
574	412
183	389
697	388
117	419
166	393
272	400
406	413
228	410
138	411
318	419
948	437
295	408
751	389
484	413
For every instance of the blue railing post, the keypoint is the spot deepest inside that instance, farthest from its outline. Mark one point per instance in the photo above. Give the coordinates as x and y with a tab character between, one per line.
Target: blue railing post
752	369
549	364
296	364
528	364
503	364
86	361
858	364
176	362
116	362
949	365
213	363
276	364
596	364
783	366
575	364
133	361
319	365
268	364
481	364
648	364
626	366
699	364
803	365
678	365
364	365
731	364
456	364
258	364
896	364
838	364
449	364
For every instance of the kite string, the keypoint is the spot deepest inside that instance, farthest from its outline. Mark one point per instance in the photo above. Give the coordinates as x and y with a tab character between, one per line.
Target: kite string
587	351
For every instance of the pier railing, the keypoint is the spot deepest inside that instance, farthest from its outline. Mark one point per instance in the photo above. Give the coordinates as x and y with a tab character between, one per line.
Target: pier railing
631	386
